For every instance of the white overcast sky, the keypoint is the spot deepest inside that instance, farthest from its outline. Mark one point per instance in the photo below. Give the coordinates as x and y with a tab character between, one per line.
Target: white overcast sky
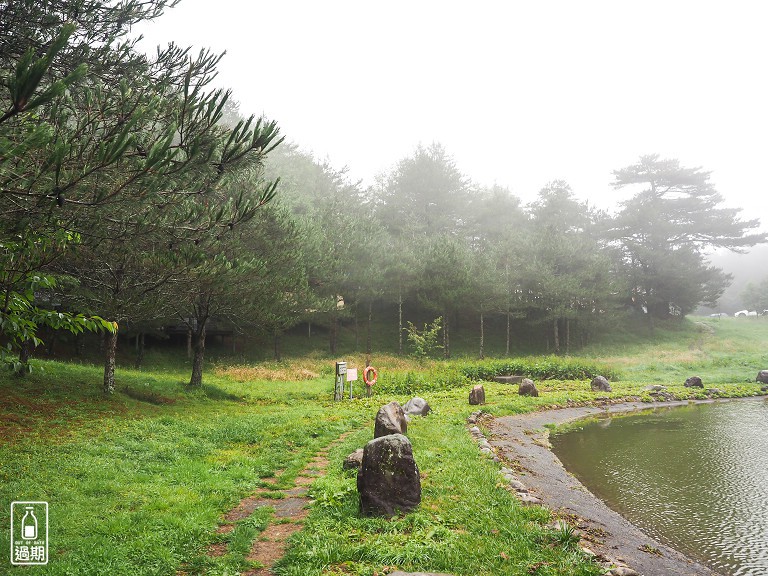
520	93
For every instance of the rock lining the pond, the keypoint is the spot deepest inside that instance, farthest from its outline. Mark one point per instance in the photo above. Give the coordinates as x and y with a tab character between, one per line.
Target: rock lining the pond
762	377
655	388
477	395
663	396
694	382
600	384
527	388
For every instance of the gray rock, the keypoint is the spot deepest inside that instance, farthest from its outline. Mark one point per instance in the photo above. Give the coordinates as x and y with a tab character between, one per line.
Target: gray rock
477	395
655	388
508	379
600	384
388	481
623	571
694	382
354	460
527	388
527	499
588	551
416	407
390	420
762	376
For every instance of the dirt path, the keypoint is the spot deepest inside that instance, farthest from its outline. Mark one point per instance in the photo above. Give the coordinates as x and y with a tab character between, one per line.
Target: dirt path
522	442
287	518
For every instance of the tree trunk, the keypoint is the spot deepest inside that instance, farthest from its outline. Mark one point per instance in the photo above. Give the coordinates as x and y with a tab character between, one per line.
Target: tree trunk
51	343
189	342
509	323
309	329
139	350
332	332
400	321
197	361
78	345
25	352
446	338
278	355
110	352
482	336
568	336
357	331
368	335
556	335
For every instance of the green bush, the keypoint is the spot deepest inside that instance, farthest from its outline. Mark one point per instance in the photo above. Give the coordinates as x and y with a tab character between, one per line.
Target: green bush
538	368
435	380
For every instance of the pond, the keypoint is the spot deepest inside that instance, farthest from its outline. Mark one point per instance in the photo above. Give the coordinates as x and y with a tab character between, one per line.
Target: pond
694	477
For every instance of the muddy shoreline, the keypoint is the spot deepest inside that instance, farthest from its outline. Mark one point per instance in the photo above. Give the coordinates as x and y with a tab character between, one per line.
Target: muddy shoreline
522	440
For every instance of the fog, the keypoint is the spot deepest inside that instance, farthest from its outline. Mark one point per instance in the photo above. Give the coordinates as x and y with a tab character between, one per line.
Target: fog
519	93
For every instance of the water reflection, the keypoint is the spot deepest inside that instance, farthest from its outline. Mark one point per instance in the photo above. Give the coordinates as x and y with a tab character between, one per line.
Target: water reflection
695	477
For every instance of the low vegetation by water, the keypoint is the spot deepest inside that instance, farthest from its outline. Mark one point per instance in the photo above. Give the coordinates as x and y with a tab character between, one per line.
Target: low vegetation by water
138	482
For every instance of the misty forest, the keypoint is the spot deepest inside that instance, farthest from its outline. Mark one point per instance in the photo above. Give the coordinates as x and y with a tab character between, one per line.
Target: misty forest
136	194
141	204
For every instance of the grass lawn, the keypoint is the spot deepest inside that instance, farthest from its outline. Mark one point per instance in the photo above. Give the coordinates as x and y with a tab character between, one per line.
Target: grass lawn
137	483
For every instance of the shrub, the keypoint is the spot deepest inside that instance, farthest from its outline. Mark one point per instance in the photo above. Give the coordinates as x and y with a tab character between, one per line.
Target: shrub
538	368
409	383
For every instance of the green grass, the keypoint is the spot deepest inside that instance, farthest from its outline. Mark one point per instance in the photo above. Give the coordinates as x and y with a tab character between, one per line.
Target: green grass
137	483
466	523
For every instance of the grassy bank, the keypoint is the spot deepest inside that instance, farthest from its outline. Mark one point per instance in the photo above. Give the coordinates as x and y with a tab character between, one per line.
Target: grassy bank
137	483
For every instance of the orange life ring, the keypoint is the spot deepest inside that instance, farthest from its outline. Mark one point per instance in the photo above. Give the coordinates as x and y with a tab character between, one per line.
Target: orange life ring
371	381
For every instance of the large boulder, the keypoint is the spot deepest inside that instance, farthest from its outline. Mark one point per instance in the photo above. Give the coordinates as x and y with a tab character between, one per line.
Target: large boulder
762	376
694	382
527	388
477	395
388	481
390	420
600	384
416	407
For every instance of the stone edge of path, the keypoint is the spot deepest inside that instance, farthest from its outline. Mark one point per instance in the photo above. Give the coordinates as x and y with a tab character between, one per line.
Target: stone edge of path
520	443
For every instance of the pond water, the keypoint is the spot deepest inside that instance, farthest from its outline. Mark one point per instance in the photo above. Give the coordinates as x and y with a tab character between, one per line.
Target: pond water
694	477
